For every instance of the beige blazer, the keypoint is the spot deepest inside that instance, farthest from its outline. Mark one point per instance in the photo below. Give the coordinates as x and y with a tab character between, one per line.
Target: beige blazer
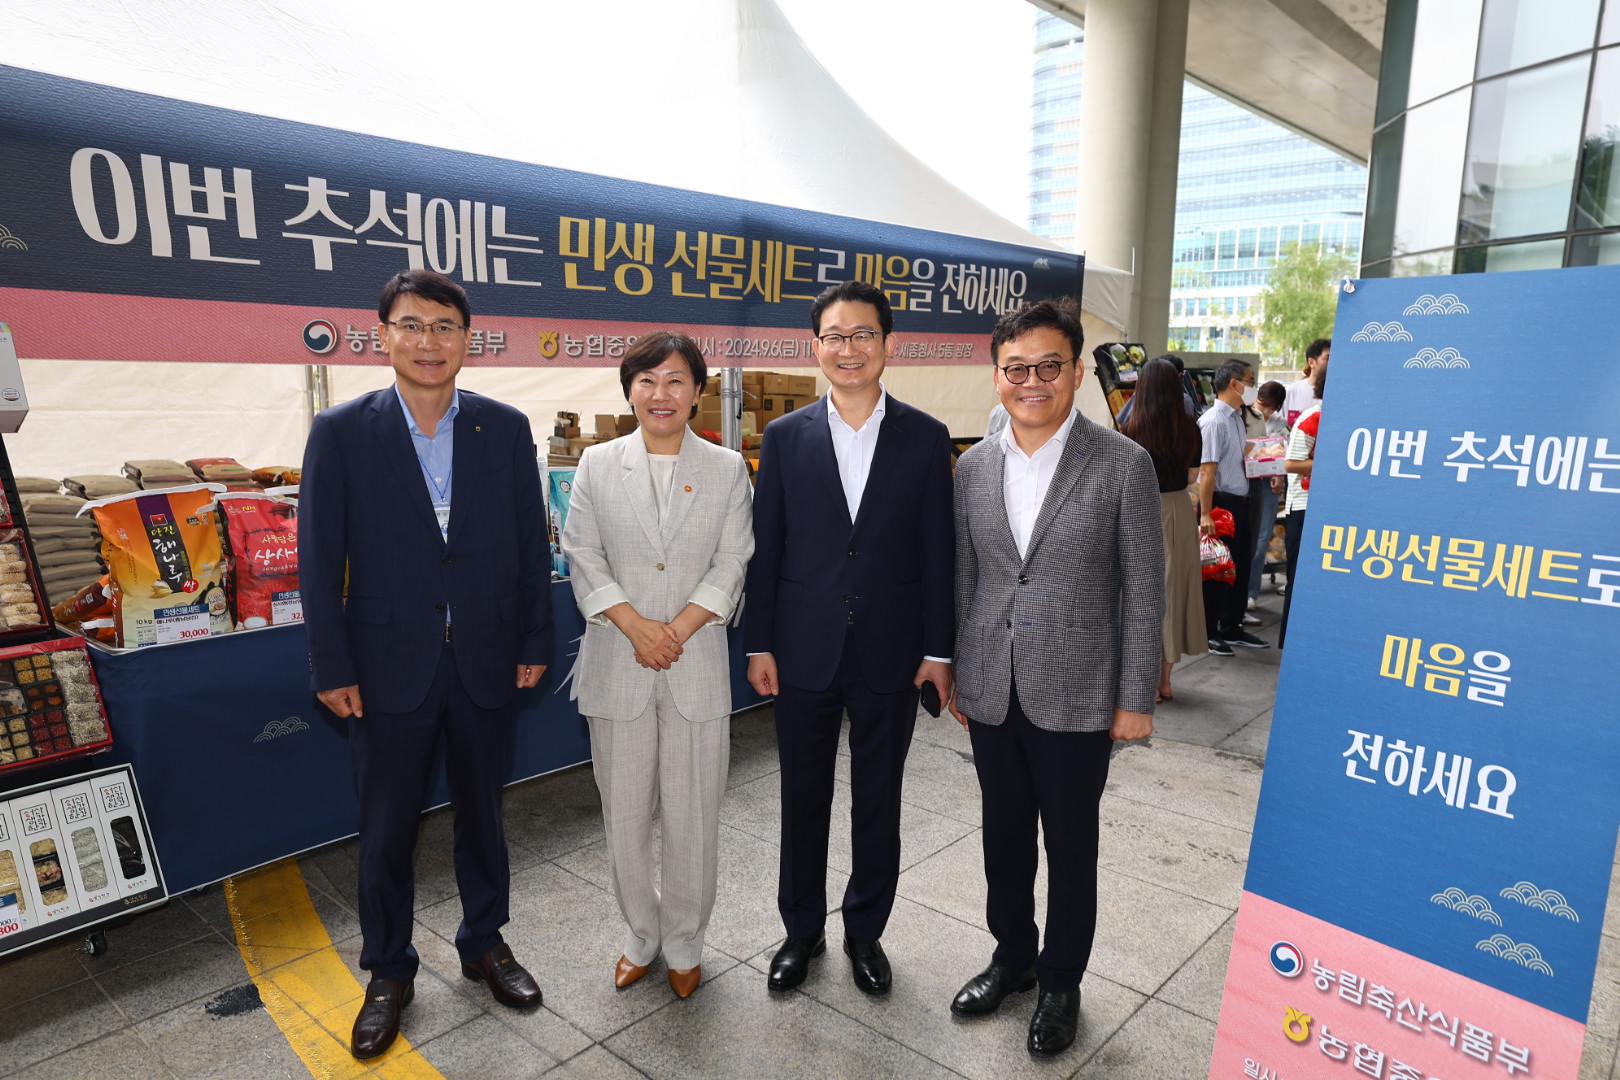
620	552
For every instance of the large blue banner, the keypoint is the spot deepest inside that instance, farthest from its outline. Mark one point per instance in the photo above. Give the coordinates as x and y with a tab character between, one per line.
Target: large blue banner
1438	817
279	235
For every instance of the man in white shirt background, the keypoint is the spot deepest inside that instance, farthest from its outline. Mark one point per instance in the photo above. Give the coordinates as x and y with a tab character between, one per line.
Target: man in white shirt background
1301	395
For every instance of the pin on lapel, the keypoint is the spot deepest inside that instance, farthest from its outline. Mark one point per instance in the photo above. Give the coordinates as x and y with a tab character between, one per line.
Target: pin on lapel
478	427
689	489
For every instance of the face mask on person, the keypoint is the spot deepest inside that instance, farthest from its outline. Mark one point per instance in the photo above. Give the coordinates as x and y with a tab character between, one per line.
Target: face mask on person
1251	394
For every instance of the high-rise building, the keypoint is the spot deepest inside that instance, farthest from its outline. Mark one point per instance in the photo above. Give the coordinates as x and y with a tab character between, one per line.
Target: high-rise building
1246	189
1495	142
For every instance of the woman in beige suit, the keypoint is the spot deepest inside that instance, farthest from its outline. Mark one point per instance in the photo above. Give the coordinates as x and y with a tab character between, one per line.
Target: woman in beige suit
659	531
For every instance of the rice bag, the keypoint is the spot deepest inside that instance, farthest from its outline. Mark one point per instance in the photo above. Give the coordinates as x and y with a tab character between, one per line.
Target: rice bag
262	531
167	566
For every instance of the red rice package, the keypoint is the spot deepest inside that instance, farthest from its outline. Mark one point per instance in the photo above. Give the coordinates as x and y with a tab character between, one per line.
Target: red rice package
263	534
167	565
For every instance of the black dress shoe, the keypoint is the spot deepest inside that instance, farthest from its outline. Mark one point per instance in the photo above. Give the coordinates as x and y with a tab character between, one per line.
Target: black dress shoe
1056	1019
378	1023
507	980
791	963
869	966
982	994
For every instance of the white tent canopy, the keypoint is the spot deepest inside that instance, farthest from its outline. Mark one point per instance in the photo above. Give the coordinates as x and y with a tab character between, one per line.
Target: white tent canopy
718	96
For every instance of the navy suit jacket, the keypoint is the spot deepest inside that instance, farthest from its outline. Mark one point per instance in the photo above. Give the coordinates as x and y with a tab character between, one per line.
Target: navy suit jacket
885	579
364	505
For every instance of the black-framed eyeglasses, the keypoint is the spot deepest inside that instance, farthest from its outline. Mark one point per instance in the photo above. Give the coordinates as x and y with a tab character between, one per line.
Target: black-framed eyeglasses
860	339
1048	370
443	328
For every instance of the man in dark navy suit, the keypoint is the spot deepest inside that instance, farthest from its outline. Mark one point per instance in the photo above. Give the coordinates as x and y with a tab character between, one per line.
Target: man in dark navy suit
849	609
429	499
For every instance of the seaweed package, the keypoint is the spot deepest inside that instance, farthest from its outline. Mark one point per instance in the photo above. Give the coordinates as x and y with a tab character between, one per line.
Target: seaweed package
262	530
167	566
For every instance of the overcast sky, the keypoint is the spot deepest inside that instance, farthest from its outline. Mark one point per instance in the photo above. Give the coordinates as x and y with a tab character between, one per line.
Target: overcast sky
949	79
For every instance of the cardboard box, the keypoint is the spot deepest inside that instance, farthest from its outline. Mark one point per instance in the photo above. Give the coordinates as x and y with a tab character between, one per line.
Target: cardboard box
772	407
802	386
566	431
777	384
577	446
558	444
607	425
625	423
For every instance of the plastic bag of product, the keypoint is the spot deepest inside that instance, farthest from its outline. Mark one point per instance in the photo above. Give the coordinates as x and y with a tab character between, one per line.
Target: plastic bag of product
91	602
262	531
167	566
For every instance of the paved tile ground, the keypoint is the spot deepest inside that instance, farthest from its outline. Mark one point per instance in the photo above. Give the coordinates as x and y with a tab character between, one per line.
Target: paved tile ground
171	998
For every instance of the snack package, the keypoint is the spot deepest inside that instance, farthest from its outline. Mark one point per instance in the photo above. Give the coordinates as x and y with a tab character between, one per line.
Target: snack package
91	602
262	531
1264	455
167	566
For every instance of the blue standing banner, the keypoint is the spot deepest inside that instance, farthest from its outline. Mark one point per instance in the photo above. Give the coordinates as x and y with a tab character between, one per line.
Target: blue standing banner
1437	821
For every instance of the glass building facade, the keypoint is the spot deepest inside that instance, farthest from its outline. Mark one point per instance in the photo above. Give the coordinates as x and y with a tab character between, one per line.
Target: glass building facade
1246	189
1494	144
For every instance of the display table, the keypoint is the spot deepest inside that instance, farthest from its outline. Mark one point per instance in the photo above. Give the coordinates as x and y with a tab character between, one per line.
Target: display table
239	766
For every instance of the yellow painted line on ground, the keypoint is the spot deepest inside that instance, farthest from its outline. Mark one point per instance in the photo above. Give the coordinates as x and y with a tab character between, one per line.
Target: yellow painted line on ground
306	987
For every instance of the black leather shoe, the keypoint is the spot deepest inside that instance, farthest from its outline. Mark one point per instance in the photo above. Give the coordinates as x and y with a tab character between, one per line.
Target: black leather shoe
982	994
791	963
869	966
378	1023
507	980
1057	1018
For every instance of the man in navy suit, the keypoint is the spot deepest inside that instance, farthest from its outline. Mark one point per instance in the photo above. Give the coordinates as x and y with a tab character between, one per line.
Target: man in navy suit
428	498
849	609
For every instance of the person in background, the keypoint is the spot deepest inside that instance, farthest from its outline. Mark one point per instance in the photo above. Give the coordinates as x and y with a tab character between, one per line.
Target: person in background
1060	594
1302	392
427	601
660	528
1222	483
1124	416
849	611
1161	426
1301	458
1264	491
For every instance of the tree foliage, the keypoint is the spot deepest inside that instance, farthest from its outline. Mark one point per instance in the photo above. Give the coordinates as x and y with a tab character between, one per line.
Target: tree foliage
1298	302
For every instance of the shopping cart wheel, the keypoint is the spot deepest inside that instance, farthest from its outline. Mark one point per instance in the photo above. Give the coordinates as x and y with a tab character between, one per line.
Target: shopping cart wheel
95	943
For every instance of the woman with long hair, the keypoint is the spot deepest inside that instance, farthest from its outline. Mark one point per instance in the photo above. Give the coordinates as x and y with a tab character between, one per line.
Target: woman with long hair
1160	424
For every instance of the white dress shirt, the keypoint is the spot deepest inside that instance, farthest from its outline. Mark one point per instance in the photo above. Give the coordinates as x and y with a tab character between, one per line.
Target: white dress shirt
854	449
1025	478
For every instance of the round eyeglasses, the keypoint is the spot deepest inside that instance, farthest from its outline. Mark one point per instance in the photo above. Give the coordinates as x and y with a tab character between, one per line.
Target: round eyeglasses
1046	369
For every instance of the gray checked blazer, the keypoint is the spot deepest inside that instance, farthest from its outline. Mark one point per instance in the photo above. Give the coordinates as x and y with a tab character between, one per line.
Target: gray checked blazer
1078	618
619	551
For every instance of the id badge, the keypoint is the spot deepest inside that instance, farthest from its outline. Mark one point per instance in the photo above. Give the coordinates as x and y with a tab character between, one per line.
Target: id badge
443	514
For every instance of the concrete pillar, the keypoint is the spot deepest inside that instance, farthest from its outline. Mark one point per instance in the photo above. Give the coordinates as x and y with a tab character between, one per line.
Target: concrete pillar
1130	139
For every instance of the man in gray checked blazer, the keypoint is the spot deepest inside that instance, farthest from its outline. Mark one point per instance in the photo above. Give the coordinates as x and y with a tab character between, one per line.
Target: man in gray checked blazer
1059	598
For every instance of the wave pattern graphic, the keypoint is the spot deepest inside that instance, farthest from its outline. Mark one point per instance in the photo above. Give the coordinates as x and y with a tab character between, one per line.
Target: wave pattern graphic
11	240
1438	358
1519	952
1444	304
1549	900
1377	331
1468	904
275	729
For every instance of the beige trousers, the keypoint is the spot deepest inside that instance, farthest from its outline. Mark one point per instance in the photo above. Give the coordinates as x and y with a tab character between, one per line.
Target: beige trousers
661	759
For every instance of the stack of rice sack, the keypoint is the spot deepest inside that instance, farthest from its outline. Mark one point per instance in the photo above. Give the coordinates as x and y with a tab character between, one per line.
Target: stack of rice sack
98	486
224	470
66	545
151	474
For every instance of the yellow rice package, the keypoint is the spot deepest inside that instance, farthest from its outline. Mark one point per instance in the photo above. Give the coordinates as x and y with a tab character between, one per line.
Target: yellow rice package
167	565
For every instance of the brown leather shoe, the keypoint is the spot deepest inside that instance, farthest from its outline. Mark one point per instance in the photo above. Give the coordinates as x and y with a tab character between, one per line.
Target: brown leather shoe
684	982
378	1023
625	973
507	980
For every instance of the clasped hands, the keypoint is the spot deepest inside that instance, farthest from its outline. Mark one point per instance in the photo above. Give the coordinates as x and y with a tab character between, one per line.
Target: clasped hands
657	645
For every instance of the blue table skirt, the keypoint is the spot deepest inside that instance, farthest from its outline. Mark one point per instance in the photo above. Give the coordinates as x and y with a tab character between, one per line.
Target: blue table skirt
239	766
